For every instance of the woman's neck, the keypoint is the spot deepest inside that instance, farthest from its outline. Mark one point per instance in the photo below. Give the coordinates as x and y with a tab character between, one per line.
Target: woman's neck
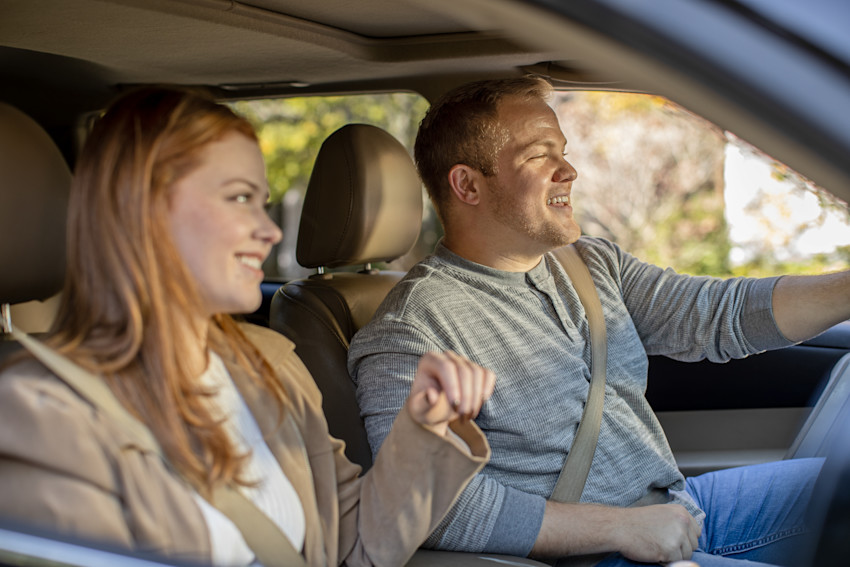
196	355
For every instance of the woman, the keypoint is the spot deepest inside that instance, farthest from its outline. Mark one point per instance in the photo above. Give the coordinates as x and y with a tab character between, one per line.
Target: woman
167	235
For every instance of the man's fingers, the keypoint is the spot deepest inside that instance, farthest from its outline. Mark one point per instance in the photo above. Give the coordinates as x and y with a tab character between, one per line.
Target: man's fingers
691	540
662	534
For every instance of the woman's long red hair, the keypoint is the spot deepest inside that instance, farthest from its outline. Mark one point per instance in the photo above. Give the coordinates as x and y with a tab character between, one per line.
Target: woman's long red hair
129	298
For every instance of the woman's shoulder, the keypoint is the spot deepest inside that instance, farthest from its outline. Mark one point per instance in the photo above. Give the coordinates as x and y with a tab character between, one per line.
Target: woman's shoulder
280	353
29	383
274	346
46	423
304	399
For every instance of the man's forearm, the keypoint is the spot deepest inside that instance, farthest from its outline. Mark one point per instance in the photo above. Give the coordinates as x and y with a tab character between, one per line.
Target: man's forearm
575	529
650	534
805	306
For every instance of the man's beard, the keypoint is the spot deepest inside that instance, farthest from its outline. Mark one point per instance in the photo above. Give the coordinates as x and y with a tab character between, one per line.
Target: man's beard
513	214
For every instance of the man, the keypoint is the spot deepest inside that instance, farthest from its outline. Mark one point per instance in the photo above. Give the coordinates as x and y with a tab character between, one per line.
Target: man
492	156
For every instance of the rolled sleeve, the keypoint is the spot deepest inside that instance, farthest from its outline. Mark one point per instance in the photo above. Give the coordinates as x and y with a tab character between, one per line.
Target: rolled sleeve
758	324
517	524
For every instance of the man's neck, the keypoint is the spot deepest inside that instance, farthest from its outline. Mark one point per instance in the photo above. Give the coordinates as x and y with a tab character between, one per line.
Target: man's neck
491	254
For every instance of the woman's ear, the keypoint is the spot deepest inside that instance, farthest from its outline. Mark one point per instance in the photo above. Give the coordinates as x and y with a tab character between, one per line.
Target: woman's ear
464	182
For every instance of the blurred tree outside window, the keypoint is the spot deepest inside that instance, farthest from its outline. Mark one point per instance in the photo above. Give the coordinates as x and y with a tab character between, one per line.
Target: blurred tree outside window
675	190
663	183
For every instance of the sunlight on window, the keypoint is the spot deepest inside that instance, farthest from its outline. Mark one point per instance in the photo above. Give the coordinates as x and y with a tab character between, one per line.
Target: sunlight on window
768	213
675	190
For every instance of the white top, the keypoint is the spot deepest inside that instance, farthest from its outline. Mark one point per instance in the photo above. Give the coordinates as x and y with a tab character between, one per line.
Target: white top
273	494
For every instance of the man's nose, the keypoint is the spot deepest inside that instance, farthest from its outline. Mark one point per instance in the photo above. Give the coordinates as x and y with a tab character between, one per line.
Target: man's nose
566	172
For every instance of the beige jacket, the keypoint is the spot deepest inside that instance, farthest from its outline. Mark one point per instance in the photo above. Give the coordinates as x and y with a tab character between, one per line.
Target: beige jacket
66	466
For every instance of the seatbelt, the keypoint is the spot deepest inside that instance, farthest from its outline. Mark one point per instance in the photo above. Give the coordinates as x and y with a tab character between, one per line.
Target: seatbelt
573	475
270	546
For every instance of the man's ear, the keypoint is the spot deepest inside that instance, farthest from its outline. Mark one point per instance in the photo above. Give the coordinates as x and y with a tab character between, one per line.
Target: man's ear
464	182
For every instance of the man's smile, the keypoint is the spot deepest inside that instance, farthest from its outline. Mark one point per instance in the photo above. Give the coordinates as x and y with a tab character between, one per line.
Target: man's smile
560	200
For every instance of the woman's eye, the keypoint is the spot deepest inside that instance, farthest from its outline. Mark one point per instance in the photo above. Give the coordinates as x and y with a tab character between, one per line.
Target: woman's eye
242	199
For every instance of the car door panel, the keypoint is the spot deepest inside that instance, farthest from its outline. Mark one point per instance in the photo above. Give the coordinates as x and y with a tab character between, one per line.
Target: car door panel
743	411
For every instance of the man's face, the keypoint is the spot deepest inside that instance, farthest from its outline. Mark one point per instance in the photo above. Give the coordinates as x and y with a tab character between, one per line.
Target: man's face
529	197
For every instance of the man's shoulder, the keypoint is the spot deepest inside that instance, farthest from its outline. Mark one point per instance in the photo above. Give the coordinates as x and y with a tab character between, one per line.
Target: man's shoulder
412	310
601	256
594	246
424	282
431	269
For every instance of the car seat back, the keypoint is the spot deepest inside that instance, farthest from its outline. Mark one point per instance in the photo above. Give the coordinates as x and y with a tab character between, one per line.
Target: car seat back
34	185
363	205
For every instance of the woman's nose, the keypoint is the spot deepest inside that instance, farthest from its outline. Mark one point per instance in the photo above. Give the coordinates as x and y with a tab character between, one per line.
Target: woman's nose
268	230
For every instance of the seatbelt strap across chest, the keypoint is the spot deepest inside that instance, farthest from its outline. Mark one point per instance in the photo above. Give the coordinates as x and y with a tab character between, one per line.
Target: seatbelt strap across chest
574	473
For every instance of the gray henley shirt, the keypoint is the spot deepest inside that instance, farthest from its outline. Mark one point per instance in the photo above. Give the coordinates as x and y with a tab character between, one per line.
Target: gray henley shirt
530	329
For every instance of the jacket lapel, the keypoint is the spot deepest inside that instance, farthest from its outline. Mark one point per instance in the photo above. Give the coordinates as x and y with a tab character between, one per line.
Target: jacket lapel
287	445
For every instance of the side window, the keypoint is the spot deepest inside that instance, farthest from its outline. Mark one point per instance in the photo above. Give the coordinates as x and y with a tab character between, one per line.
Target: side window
666	185
675	190
291	131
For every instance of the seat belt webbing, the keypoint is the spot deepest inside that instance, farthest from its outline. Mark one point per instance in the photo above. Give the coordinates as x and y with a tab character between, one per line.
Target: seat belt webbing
573	475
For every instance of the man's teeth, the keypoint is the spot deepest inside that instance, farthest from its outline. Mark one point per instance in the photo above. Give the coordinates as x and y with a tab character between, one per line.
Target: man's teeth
556	200
251	261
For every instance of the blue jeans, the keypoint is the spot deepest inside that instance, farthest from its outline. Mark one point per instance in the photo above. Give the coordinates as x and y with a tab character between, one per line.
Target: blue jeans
755	515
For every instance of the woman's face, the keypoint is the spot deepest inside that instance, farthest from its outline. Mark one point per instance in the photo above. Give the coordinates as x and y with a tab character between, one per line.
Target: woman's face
220	226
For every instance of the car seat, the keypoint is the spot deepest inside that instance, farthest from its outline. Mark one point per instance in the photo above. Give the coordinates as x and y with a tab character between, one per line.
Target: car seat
363	205
34	185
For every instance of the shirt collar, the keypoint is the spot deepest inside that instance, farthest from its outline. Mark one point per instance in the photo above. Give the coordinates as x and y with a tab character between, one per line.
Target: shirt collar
535	276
